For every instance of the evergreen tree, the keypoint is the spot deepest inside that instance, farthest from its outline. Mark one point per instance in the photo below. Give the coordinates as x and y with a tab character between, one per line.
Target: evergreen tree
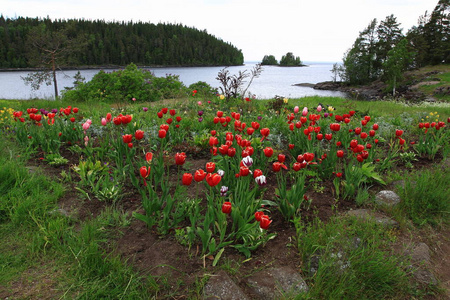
269	60
290	60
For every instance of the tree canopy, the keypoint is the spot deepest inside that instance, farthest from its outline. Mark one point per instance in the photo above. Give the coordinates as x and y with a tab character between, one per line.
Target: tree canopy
118	43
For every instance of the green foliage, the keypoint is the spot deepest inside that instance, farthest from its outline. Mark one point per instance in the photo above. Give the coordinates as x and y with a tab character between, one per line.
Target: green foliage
397	61
425	197
203	89
126	85
290	60
349	259
269	60
119	43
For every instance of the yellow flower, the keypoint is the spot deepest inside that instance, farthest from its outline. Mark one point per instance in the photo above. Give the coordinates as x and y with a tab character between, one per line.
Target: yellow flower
330	108
221	97
286	100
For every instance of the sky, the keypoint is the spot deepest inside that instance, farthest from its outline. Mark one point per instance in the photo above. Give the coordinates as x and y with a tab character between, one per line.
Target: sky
314	30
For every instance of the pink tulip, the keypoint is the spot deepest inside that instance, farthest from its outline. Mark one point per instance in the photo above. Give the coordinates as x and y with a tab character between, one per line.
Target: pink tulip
296	109
305	111
104	122
319	108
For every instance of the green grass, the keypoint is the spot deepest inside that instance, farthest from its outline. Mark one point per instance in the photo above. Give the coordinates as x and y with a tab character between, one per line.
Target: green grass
38	244
347	258
425	198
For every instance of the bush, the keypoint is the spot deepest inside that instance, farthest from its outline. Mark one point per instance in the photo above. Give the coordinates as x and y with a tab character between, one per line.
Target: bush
203	89
125	85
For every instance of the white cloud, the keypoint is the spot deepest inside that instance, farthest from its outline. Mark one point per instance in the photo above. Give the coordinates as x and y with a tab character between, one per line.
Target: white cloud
314	30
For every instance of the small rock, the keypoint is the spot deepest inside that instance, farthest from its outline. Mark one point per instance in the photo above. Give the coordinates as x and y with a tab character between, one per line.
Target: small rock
387	198
425	276
421	253
276	282
60	211
365	214
221	286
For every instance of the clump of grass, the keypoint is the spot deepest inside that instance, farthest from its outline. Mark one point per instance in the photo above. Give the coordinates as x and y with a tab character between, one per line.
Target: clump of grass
425	197
349	259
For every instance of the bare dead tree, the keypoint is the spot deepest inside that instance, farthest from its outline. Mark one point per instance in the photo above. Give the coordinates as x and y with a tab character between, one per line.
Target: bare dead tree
232	84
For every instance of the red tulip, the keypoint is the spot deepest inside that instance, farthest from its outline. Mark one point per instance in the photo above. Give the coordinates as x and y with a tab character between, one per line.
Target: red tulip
130	145
180	158
357	130
162	133
164	110
281	158
255	125
319	136
265	133
159	114
226	207
308	157
213	179
291	146
340	153
213	141
199	175
231	152
250	130
149	157
178	118
296	166
257	173
265	222
276	167
363	135
72	119
220	114
187	179
268	152
210	167
258	215
172	112
244	171
139	135
127	138
75	109
335	126
169	121
398	132
144	171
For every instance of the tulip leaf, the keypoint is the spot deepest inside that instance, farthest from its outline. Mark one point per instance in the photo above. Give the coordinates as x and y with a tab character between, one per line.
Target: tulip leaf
269	203
218	255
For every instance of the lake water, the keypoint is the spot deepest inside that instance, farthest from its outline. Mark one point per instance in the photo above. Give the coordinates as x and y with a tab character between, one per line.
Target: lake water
272	81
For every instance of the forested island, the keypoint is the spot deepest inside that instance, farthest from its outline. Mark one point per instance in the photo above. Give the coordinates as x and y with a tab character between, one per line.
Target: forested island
79	42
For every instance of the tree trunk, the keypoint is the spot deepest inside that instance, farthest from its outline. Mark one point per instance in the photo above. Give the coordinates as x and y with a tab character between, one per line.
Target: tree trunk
54	76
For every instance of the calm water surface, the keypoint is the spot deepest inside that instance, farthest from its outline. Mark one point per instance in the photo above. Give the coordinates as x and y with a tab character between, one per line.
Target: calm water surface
272	81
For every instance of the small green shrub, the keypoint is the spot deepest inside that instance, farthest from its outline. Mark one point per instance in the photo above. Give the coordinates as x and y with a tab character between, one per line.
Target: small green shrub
128	85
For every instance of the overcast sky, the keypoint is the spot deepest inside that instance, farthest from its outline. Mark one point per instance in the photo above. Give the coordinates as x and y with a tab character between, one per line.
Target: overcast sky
315	30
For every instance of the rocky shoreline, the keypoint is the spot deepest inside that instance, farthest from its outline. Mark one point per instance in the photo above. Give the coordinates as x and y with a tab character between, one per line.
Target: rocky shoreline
377	89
